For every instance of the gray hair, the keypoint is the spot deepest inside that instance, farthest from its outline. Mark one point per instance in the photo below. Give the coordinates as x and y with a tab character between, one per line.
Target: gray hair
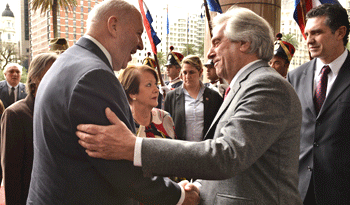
244	25
13	65
102	11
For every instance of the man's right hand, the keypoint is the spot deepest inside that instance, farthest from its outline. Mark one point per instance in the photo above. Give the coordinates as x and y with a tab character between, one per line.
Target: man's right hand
191	193
112	142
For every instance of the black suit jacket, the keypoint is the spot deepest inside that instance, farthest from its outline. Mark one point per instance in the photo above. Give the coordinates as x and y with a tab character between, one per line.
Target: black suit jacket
4	93
175	105
77	89
17	149
325	138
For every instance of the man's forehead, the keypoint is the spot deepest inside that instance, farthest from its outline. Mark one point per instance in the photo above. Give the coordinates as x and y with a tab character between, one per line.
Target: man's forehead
12	68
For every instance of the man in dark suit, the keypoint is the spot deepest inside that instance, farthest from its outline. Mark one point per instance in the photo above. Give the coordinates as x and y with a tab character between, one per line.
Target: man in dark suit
77	89
323	86
253	156
11	89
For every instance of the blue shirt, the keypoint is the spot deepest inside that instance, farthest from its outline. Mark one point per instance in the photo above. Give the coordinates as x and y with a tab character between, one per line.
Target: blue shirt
194	112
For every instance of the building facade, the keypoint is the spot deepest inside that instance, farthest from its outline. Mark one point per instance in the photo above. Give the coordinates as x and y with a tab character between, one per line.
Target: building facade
8	41
71	25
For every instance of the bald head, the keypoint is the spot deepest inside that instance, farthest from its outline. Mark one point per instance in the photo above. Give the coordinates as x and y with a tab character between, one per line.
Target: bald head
99	15
117	25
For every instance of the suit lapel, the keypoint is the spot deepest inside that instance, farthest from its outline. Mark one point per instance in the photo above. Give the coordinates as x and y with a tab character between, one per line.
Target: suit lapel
91	46
307	79
231	95
180	109
340	84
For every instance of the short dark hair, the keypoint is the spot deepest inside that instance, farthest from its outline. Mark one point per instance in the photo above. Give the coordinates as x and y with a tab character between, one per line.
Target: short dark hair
130	78
336	17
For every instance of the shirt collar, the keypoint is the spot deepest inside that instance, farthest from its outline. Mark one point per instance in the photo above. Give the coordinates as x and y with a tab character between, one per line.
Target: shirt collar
241	71
104	50
334	65
8	85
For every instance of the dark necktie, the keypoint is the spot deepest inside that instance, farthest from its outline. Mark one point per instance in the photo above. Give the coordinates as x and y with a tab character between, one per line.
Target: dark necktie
226	92
321	88
12	96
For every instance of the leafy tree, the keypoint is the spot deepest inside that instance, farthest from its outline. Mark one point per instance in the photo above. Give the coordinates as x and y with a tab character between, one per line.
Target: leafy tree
53	6
348	46
161	58
189	50
201	50
290	38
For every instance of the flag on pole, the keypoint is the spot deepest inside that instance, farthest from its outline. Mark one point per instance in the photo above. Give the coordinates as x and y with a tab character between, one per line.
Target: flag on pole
167	20
301	7
214	5
147	21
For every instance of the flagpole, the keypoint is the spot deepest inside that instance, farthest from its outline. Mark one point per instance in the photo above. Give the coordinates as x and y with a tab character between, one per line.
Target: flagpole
159	74
168	30
208	18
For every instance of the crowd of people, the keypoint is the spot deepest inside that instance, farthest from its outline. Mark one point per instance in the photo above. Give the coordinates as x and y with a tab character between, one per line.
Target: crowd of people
255	134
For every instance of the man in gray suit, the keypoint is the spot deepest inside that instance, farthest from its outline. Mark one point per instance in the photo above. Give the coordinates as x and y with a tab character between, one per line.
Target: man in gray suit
324	162
77	89
253	156
11	89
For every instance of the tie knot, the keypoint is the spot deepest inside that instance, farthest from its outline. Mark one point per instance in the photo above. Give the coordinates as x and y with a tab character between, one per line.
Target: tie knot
325	70
13	88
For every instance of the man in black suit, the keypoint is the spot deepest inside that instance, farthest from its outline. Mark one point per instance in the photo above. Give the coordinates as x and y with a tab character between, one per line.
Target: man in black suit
11	89
77	89
323	86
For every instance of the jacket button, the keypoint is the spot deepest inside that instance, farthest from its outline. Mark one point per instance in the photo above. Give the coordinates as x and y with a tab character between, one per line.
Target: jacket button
315	144
309	168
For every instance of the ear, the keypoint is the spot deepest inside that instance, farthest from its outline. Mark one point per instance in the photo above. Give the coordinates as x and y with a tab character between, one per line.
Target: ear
245	47
200	72
340	33
132	96
112	25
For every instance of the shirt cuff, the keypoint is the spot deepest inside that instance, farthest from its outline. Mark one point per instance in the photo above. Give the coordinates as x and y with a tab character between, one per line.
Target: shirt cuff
137	152
182	198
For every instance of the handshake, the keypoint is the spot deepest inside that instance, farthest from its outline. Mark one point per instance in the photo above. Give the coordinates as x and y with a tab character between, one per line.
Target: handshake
191	193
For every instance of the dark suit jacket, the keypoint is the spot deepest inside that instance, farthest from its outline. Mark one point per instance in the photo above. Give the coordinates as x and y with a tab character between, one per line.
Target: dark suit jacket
17	149
4	93
325	138
175	105
77	89
253	157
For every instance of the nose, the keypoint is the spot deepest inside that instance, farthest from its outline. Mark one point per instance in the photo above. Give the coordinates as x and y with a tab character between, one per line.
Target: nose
211	53
309	39
140	45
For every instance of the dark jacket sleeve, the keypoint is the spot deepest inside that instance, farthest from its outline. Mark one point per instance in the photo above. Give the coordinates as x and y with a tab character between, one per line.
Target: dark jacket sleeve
88	105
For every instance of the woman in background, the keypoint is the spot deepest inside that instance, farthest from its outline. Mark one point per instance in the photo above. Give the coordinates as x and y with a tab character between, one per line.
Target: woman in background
140	85
17	135
192	106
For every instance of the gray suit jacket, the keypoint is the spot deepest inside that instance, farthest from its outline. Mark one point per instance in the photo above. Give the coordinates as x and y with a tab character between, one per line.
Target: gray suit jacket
4	93
253	157
77	89
325	138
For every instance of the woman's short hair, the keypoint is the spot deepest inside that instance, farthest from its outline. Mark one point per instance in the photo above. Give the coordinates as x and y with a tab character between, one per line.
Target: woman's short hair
244	25
131	76
37	69
194	61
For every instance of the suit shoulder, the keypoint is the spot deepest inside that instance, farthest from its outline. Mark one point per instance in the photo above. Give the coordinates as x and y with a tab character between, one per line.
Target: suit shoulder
299	70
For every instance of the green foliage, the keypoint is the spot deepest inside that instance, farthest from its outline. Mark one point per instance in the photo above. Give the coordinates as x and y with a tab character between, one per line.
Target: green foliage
290	38
201	50
189	50
161	58
348	46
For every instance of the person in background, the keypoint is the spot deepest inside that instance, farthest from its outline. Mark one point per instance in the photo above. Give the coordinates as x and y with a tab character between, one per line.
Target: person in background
58	45
323	87
173	69
192	106
283	54
215	83
77	89
17	135
140	85
11	89
253	156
